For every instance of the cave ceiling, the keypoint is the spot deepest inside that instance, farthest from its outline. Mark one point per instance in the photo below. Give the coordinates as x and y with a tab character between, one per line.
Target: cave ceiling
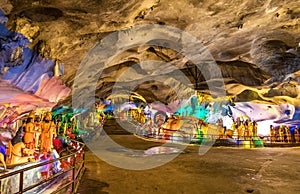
255	43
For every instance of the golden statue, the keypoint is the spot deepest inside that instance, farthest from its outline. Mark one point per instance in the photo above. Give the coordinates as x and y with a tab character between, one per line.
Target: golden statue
241	129
296	134
272	133
15	154
281	133
251	131
29	135
48	132
288	134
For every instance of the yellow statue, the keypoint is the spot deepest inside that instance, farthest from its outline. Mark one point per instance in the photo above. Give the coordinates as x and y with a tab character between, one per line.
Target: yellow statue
14	154
250	128
241	129
272	134
281	132
234	129
296	134
29	135
48	132
288	134
246	132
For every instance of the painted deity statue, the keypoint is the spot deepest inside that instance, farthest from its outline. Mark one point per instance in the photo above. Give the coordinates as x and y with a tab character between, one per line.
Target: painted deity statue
297	134
288	133
281	133
38	131
29	136
251	131
14	151
272	133
254	123
241	129
48	132
234	129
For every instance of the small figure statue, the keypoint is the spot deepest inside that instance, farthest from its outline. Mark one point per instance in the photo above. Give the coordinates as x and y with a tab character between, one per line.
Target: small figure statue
14	151
281	133
48	132
296	134
241	129
37	130
288	134
254	129
234	129
246	130
272	133
250	128
29	135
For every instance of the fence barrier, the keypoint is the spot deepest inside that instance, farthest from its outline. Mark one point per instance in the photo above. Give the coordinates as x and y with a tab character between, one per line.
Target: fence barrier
76	170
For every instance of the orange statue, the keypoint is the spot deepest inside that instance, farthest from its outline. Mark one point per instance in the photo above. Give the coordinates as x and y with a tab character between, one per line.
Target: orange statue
296	134
272	133
48	132
288	133
15	154
281	133
241	129
234	129
251	131
29	135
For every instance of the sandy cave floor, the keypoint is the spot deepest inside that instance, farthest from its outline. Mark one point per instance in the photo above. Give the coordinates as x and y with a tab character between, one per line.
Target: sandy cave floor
220	170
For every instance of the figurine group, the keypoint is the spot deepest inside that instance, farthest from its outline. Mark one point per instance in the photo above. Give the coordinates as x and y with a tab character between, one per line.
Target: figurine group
38	136
284	134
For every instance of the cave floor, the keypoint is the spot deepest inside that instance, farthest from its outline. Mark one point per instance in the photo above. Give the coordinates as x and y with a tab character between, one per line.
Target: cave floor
220	170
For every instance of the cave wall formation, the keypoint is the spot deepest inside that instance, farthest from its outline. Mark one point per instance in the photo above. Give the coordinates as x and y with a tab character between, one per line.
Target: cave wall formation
255	43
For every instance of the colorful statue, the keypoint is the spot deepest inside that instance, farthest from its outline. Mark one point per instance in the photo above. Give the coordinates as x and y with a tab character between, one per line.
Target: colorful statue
234	129
254	129
297	134
272	133
48	132
37	130
288	133
29	135
241	129
281	133
250	128
246	131
14	151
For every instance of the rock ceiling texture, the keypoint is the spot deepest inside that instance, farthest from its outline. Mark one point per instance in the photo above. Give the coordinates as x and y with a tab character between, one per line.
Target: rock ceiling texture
255	43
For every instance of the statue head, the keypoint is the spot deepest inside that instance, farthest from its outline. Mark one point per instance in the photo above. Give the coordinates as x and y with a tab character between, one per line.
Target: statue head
48	116
38	119
31	114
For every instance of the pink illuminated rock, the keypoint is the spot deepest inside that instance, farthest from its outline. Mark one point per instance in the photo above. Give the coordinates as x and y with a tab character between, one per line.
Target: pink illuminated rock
52	89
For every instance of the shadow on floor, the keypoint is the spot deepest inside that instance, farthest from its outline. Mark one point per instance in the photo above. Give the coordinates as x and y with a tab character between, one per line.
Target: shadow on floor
88	186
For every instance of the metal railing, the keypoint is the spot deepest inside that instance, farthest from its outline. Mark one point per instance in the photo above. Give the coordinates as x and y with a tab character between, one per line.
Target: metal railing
76	170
